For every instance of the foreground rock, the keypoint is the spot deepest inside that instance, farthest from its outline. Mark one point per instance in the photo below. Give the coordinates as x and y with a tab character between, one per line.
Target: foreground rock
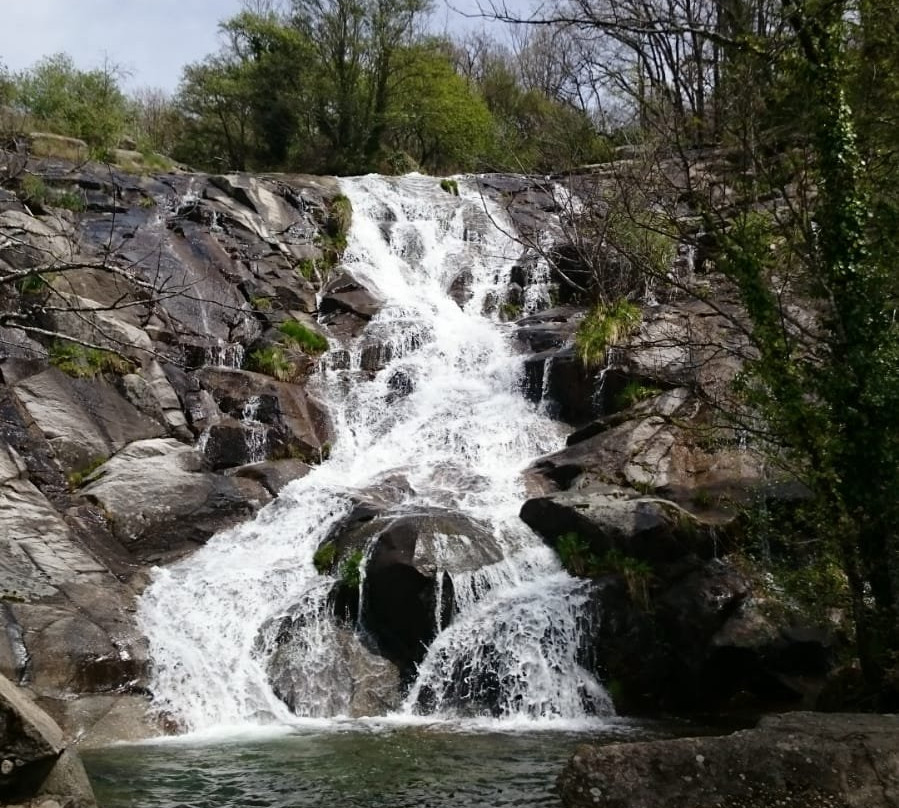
35	763
799	760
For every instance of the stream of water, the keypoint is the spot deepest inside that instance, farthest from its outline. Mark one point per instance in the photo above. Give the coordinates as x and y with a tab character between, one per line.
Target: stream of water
444	415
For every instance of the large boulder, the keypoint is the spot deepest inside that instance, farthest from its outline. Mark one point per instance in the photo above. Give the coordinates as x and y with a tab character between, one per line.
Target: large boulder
160	498
799	760
34	759
410	560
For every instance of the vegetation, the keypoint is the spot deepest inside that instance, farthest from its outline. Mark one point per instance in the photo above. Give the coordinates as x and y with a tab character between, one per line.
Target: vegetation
323	558
633	393
77	478
605	326
577	557
274	361
82	362
303	337
34	192
350	570
450	186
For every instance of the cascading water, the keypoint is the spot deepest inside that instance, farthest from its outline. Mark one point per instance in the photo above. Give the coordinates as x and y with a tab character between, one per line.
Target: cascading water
458	433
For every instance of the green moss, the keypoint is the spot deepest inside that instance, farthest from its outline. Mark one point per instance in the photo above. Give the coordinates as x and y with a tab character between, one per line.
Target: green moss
305	338
82	362
604	326
76	478
32	284
306	268
351	570
324	556
450	186
261	303
510	311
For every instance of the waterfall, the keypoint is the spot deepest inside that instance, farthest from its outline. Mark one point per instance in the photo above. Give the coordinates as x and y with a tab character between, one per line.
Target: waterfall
457	433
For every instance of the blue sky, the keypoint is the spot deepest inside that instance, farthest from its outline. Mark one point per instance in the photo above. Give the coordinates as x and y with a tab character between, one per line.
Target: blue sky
151	39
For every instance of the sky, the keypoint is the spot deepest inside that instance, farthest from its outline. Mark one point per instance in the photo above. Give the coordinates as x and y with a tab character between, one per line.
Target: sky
150	39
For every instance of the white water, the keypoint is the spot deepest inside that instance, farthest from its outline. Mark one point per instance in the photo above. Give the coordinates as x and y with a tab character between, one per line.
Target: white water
460	438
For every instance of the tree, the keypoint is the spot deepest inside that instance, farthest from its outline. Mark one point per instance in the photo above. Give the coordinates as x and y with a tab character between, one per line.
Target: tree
85	104
437	118
822	389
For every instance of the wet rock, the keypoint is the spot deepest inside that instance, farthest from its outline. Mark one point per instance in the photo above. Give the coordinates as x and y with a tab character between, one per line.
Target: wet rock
410	560
646	528
563	383
273	475
796	760
345	294
35	761
159	497
352	679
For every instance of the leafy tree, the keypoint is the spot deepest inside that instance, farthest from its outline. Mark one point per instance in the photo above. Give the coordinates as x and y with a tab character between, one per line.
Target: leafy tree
437	118
84	104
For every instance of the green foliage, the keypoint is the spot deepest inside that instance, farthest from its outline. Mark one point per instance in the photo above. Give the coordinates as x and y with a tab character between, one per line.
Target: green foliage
439	118
77	478
298	334
633	393
306	268
510	311
273	361
350	571
637	574
32	284
261	303
35	192
450	186
324	556
340	217
604	326
577	557
83	104
575	554
82	362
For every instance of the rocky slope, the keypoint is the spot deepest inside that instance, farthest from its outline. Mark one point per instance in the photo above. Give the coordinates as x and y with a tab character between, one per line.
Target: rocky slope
199	306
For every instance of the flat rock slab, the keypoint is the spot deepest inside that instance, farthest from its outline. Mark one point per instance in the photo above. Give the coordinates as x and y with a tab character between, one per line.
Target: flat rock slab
797	760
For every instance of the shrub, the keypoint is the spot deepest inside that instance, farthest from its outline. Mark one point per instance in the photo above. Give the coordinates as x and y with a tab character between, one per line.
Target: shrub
34	191
82	362
637	574
450	186
305	338
575	554
340	217
604	326
272	361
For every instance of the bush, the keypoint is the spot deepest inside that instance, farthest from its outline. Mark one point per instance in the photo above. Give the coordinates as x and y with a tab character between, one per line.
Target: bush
82	362
305	338
633	393
604	326
450	186
340	217
272	361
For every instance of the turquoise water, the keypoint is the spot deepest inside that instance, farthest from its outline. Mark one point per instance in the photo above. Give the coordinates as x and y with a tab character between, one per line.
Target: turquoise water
383	767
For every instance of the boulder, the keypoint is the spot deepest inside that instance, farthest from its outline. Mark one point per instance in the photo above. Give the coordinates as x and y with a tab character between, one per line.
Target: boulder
159	498
645	528
84	420
34	760
410	560
798	760
345	295
351	679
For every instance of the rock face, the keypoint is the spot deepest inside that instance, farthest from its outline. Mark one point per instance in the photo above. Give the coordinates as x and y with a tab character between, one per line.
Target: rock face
113	460
800	759
34	760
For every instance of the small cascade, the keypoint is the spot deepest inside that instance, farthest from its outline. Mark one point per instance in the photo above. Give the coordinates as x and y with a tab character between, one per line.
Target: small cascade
255	432
428	418
225	355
